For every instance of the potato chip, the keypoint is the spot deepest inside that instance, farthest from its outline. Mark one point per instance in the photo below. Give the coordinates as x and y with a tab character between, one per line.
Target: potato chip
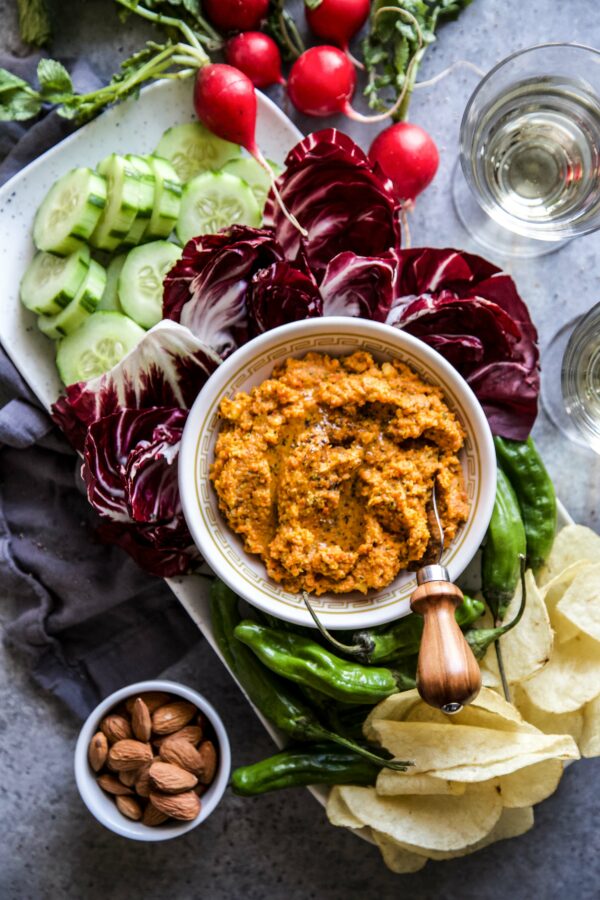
426	822
398	860
571	678
525	649
467	753
530	785
338	812
553	590
571	544
590	737
580	603
408	706
512	823
550	723
390	783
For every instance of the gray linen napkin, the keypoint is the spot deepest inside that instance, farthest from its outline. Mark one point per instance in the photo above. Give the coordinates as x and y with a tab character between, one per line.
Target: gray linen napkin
87	618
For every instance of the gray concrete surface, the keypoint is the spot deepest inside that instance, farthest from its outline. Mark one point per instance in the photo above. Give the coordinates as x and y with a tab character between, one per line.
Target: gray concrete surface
281	846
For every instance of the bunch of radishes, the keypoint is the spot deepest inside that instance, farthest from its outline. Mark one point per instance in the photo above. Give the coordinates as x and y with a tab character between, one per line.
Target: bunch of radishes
321	83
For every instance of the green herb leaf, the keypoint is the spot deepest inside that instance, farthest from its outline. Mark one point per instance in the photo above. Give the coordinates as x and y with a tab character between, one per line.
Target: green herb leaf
55	81
312	4
399	33
18	100
34	22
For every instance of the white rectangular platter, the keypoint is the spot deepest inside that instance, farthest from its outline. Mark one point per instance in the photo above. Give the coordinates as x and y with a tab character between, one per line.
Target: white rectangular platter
133	127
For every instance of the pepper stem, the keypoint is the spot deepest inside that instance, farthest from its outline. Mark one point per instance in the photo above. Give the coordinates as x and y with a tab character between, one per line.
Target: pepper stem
508	627
358	649
398	765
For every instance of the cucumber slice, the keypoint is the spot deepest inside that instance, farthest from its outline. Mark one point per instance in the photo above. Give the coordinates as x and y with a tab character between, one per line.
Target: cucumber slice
81	306
98	345
141	281
50	282
70	211
138	231
254	175
125	198
167	198
110	297
215	200
192	149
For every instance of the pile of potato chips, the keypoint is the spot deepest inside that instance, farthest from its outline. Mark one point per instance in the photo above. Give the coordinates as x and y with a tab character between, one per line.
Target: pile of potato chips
478	774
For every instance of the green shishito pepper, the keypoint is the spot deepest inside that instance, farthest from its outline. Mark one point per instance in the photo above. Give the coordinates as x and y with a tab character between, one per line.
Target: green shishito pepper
322	763
505	543
270	694
403	638
302	660
526	472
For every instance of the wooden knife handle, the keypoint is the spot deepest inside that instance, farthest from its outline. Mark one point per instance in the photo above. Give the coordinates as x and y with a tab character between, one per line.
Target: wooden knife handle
448	675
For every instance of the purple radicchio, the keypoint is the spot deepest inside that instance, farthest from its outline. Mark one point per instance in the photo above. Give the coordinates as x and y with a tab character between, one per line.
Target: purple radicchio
470	312
207	288
360	286
338	197
284	292
127	424
168	368
130	471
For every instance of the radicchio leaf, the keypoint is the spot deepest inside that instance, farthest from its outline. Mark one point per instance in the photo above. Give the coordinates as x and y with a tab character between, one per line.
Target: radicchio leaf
471	312
335	193
130	471
207	288
284	292
361	286
168	368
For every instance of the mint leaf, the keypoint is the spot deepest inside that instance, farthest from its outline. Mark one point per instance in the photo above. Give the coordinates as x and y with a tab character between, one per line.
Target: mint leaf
312	4
54	79
18	100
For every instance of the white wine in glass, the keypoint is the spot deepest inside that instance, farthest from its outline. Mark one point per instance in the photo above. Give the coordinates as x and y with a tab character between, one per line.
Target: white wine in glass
529	174
571	379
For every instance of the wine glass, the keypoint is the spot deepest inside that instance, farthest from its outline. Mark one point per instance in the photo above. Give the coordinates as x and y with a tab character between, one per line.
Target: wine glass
528	175
571	382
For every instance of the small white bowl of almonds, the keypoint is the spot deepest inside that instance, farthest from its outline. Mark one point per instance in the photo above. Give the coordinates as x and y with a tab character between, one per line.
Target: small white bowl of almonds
152	760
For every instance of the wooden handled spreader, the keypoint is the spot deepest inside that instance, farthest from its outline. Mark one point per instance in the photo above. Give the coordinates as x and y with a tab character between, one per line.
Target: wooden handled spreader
448	675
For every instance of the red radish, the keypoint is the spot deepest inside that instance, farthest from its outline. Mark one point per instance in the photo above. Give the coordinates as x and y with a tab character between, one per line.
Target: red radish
322	81
235	15
257	56
408	156
225	101
338	20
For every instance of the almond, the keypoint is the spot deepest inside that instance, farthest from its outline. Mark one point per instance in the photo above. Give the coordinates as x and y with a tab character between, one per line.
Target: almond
183	754
153	816
130	807
128	777
171	779
128	754
179	806
98	751
208	767
190	733
173	716
141	721
116	728
112	785
152	699
142	780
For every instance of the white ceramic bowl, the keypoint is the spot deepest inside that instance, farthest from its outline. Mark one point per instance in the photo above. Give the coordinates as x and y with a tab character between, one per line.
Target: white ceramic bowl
251	365
103	807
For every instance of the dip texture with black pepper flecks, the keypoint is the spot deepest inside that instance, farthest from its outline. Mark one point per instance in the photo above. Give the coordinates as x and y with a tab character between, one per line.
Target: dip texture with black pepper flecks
326	471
